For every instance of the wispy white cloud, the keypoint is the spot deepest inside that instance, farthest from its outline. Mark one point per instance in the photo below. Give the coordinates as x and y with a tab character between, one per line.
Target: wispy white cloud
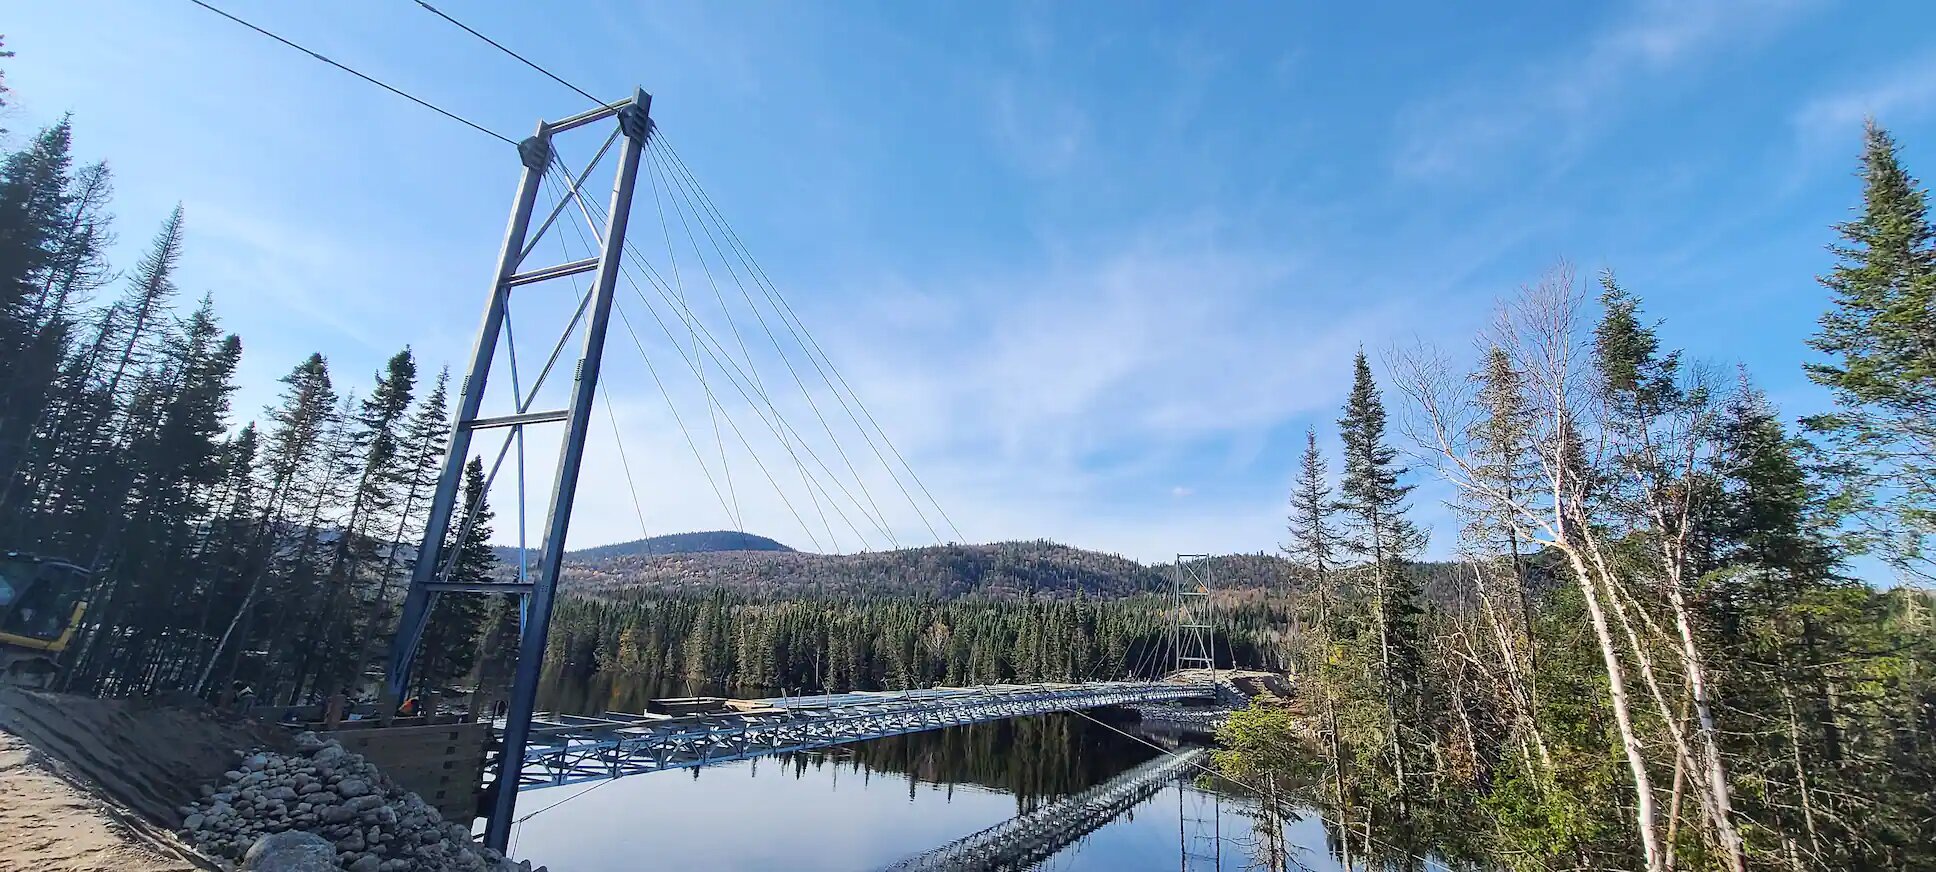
1560	100
1903	93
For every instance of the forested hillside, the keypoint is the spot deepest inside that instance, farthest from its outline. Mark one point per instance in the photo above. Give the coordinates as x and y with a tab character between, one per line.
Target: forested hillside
720	640
680	543
1001	570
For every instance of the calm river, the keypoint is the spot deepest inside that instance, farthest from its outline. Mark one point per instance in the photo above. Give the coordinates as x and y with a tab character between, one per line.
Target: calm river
871	804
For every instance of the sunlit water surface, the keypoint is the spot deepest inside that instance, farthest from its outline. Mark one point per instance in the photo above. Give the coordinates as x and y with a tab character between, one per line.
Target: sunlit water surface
871	804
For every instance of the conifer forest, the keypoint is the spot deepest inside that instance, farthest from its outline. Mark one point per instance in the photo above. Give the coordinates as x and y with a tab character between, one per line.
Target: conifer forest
1673	628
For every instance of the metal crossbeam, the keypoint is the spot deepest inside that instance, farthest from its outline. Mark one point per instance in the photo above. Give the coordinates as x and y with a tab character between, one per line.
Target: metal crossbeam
571	749
1025	840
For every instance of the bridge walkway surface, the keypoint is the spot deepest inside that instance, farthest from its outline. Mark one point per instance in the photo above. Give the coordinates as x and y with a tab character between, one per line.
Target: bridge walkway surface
687	733
1023	841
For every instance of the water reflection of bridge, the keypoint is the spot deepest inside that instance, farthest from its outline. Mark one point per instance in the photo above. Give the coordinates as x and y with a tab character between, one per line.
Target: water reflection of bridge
568	749
1025	840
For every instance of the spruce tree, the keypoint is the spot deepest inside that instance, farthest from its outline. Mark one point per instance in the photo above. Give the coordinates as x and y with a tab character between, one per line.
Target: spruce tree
451	638
1880	338
37	197
149	291
1372	502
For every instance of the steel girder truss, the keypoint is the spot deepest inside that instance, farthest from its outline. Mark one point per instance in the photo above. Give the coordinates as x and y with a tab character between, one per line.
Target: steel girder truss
1025	840
570	749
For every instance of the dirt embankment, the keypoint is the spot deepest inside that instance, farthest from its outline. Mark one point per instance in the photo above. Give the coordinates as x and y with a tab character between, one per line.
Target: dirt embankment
91	784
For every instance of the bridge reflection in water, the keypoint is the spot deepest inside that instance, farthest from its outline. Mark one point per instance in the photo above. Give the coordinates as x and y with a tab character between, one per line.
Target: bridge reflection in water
1025	840
570	749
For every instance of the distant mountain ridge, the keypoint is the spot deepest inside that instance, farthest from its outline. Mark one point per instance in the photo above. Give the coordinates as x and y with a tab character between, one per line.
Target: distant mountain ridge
756	566
675	543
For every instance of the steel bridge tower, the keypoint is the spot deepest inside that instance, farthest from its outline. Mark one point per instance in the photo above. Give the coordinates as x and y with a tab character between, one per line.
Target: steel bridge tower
430	578
1192	637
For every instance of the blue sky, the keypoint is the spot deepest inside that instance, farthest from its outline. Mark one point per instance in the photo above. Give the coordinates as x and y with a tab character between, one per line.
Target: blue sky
1095	266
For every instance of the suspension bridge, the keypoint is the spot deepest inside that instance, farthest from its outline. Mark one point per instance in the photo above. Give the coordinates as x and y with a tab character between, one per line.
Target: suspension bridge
569	749
703	330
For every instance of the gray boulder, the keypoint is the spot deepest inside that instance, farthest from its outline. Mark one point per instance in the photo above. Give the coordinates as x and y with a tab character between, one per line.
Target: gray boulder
290	852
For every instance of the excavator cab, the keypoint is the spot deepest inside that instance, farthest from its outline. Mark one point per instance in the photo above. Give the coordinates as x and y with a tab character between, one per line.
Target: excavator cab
41	603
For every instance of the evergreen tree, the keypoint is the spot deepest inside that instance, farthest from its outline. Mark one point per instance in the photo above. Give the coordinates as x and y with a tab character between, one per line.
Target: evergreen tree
1880	337
450	640
1372	502
38	200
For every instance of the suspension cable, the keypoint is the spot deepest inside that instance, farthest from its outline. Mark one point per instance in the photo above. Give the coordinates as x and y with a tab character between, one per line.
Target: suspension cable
630	279
500	47
365	77
704	469
800	332
731	370
659	160
712	409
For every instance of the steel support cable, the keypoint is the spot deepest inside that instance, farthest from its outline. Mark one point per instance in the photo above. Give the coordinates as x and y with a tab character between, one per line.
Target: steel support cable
365	77
660	163
686	192
571	185
663	392
500	47
730	369
745	442
802	335
626	271
712	409
618	439
804	526
751	371
664	293
807	346
733	374
663	326
1425	862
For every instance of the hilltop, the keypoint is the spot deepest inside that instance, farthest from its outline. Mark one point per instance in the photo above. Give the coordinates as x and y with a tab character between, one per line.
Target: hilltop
999	570
1002	570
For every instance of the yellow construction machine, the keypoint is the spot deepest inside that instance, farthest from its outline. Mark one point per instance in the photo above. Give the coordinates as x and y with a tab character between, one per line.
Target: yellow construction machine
42	600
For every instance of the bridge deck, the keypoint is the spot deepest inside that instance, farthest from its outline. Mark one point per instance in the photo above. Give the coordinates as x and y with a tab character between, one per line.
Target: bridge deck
568	749
1026	840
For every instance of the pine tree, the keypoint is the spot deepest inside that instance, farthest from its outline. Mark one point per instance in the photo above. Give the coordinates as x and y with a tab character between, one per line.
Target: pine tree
1880	337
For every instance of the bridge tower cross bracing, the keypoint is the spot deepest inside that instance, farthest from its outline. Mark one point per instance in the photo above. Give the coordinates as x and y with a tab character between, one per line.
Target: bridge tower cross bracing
1192	637
633	118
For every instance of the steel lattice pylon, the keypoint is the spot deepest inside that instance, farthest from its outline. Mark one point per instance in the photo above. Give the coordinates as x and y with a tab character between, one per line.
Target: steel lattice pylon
632	117
1192	638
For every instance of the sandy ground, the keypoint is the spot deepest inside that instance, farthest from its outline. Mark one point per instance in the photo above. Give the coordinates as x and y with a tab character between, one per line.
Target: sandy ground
90	784
51	824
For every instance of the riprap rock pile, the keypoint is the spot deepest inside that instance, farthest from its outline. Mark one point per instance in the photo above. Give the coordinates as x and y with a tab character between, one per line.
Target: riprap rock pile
326	791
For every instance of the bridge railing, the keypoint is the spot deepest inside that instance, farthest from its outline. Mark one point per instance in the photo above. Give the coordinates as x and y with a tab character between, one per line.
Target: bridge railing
1027	839
574	749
